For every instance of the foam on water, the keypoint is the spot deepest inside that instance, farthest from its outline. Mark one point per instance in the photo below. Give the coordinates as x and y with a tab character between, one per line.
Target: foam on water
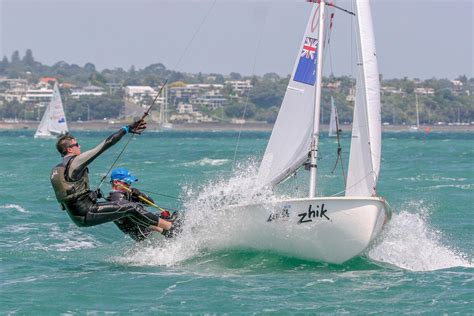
206	223
14	207
410	243
207	162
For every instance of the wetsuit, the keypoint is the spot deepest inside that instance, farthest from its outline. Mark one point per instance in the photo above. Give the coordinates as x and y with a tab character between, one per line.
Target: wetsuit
129	226
70	181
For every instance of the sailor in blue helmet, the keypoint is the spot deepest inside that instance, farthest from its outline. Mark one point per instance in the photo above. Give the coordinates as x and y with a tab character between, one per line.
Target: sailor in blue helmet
70	181
122	193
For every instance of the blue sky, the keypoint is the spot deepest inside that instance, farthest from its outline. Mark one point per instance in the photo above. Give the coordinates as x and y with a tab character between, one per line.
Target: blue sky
417	39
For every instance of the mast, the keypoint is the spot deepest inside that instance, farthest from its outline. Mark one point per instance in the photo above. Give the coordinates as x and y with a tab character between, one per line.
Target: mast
317	105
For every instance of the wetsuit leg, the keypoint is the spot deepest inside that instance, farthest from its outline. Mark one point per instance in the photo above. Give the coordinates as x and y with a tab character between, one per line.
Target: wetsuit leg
110	211
136	231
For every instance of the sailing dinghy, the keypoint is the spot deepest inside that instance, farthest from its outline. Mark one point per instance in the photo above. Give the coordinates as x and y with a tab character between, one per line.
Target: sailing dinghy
53	122
331	229
332	120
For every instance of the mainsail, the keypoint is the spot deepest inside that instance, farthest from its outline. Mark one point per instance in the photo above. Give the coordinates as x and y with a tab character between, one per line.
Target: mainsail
364	159
54	119
289	143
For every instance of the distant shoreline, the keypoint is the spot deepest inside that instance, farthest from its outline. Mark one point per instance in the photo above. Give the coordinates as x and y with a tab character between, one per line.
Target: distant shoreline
106	126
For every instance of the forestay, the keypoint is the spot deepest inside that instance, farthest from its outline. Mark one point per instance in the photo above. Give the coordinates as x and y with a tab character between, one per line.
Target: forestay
364	160
289	143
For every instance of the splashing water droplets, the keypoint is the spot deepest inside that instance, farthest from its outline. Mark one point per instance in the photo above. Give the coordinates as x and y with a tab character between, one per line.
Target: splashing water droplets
410	243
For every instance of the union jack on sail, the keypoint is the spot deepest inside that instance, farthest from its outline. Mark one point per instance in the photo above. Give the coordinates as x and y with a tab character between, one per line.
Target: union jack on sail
306	70
309	47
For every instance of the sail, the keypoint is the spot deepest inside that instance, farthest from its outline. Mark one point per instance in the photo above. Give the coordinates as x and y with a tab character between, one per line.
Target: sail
332	120
364	159
289	143
42	130
54	119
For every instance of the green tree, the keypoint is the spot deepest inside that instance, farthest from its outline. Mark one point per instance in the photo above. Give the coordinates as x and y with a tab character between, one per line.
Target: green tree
267	93
28	58
235	76
237	110
16	57
4	65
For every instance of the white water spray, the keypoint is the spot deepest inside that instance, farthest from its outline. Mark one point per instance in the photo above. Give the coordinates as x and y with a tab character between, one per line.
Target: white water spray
410	243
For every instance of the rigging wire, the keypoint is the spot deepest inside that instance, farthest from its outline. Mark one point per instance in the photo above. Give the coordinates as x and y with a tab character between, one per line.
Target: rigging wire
161	194
257	47
161	89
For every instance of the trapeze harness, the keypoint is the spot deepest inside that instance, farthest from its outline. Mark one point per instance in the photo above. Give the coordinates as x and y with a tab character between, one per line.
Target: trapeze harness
71	186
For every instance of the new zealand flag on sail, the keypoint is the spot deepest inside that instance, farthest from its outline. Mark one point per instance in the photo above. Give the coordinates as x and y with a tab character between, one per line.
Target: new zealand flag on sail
306	70
61	120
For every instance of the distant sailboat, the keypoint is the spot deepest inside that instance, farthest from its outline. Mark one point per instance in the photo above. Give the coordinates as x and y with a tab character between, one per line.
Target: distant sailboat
333	124
332	229
164	123
417	127
53	122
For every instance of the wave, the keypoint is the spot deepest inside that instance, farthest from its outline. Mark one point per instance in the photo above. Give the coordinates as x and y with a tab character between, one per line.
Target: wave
206	224
456	186
15	207
207	162
49	237
410	243
407	242
432	178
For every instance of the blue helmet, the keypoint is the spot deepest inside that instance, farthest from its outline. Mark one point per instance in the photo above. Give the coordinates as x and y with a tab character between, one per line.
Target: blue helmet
123	175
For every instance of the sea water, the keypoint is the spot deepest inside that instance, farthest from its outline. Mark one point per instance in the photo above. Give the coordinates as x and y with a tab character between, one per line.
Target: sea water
422	262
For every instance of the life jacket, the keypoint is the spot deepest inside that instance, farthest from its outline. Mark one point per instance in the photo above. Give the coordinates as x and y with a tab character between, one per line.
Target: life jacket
66	189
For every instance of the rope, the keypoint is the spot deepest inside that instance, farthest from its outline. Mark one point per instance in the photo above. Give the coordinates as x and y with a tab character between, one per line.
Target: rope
362	179
248	92
147	112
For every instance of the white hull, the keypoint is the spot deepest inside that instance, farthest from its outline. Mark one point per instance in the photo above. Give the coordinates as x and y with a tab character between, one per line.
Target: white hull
48	135
297	227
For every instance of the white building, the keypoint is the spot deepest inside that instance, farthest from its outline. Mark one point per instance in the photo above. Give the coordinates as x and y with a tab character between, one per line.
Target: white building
426	91
184	108
41	95
240	86
87	91
13	89
140	94
210	101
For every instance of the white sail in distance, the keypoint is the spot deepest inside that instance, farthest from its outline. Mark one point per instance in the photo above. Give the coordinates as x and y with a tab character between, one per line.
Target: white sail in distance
289	143
332	120
364	159
53	121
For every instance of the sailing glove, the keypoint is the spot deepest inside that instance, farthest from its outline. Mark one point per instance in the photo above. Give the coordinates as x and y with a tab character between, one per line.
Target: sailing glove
137	127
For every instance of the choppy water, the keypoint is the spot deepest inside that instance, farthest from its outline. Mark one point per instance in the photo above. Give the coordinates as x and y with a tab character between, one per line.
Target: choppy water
423	262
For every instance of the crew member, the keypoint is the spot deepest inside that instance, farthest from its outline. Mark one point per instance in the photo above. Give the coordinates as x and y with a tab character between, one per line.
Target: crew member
70	181
122	193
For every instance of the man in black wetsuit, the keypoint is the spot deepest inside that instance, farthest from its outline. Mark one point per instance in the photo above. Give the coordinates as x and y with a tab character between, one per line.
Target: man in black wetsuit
122	193
70	181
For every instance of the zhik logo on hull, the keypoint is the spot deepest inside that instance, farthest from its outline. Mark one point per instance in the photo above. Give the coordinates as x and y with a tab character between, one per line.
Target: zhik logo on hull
308	216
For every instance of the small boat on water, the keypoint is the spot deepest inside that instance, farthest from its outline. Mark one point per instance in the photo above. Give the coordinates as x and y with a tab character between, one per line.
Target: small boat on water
53	123
332	229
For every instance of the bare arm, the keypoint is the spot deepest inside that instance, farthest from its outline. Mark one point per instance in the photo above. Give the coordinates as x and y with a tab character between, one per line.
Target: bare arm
79	163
